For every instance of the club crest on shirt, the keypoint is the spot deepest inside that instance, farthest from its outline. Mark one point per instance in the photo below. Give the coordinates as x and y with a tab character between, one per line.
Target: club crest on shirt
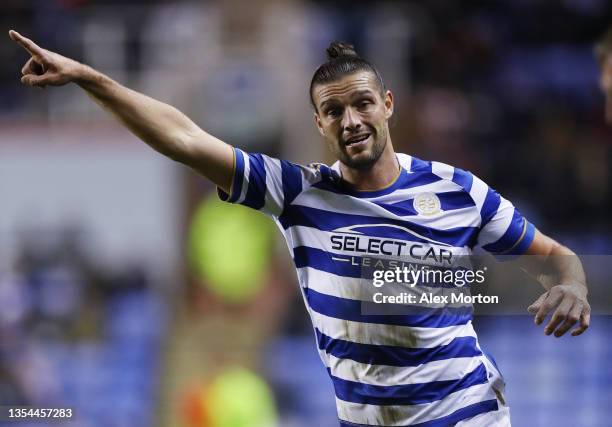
426	204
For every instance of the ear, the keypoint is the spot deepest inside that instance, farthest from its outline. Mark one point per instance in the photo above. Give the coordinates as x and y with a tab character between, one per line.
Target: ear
388	104
317	120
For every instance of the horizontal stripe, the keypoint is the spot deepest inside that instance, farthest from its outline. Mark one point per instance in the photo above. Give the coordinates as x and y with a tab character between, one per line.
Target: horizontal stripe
362	289
479	191
386	375
410	394
394	228
442	170
507	230
504	221
399	209
348	309
421	166
405	161
449	200
402	194
463	178
354	414
395	355
400	336
489	208
404	180
357	267
304	256
525	241
462	414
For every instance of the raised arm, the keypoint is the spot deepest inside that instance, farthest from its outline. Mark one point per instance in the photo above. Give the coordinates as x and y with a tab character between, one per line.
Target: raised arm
160	125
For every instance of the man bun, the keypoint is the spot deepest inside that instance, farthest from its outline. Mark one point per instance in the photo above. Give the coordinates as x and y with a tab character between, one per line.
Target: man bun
342	60
338	49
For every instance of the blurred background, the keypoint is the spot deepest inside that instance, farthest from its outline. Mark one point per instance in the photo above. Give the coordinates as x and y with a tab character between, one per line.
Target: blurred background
128	293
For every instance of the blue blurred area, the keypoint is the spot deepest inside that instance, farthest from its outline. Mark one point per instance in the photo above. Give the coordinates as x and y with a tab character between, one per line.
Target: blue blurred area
79	338
552	381
563	382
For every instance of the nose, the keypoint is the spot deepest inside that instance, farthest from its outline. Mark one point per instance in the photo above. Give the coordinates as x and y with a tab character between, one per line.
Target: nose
351	120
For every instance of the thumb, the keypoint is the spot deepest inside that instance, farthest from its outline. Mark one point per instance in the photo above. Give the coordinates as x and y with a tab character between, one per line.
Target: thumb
33	80
535	306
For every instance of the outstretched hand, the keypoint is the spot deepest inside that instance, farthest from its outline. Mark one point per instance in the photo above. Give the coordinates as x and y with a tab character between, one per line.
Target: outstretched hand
571	306
45	68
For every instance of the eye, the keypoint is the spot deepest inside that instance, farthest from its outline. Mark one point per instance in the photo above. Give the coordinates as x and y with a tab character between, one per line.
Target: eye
364	104
333	112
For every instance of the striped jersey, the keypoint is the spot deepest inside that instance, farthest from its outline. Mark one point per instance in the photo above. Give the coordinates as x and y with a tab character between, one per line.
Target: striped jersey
387	370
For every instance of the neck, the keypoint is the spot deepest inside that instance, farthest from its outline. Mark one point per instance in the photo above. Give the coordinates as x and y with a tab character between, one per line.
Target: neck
381	175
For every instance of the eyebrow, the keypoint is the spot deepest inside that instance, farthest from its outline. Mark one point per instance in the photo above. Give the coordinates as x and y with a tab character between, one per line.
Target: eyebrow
356	94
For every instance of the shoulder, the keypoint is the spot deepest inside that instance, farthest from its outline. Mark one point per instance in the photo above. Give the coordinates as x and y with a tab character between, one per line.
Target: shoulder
461	177
319	172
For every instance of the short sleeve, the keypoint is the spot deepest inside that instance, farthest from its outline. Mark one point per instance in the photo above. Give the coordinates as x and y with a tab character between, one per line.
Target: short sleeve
503	229
264	183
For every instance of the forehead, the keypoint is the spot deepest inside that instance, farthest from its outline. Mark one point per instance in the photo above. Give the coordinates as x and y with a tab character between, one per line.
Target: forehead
346	87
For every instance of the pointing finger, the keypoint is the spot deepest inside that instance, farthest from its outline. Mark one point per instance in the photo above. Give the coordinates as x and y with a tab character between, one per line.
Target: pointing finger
26	43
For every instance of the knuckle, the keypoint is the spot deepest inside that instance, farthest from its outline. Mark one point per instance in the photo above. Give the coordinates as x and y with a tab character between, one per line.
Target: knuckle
558	317
546	306
572	318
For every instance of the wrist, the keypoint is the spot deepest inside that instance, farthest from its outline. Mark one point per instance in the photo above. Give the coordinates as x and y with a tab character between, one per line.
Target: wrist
576	286
82	74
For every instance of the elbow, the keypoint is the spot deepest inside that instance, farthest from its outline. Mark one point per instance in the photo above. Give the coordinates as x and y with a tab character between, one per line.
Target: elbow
177	147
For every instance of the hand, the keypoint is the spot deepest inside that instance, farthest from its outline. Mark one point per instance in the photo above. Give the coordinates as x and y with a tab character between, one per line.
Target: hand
45	68
572	306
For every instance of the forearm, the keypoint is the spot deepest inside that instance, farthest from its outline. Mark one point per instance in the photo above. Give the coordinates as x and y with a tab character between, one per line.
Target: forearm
552	263
565	267
560	271
160	125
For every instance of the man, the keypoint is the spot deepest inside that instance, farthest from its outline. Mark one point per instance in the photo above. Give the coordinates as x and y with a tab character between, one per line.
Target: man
603	53
386	370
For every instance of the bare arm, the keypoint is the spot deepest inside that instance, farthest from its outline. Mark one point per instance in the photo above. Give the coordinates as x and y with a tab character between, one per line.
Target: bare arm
560	271
160	125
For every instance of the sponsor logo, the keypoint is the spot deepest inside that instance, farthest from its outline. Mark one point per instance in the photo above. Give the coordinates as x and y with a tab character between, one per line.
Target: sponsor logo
389	240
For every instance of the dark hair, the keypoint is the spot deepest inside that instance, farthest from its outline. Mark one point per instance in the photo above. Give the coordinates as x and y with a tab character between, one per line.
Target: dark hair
603	47
342	60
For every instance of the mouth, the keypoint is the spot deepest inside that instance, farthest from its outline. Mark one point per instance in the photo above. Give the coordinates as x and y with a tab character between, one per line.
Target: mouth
357	140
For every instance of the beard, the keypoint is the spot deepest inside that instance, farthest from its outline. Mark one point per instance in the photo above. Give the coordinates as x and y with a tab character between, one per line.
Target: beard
365	161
